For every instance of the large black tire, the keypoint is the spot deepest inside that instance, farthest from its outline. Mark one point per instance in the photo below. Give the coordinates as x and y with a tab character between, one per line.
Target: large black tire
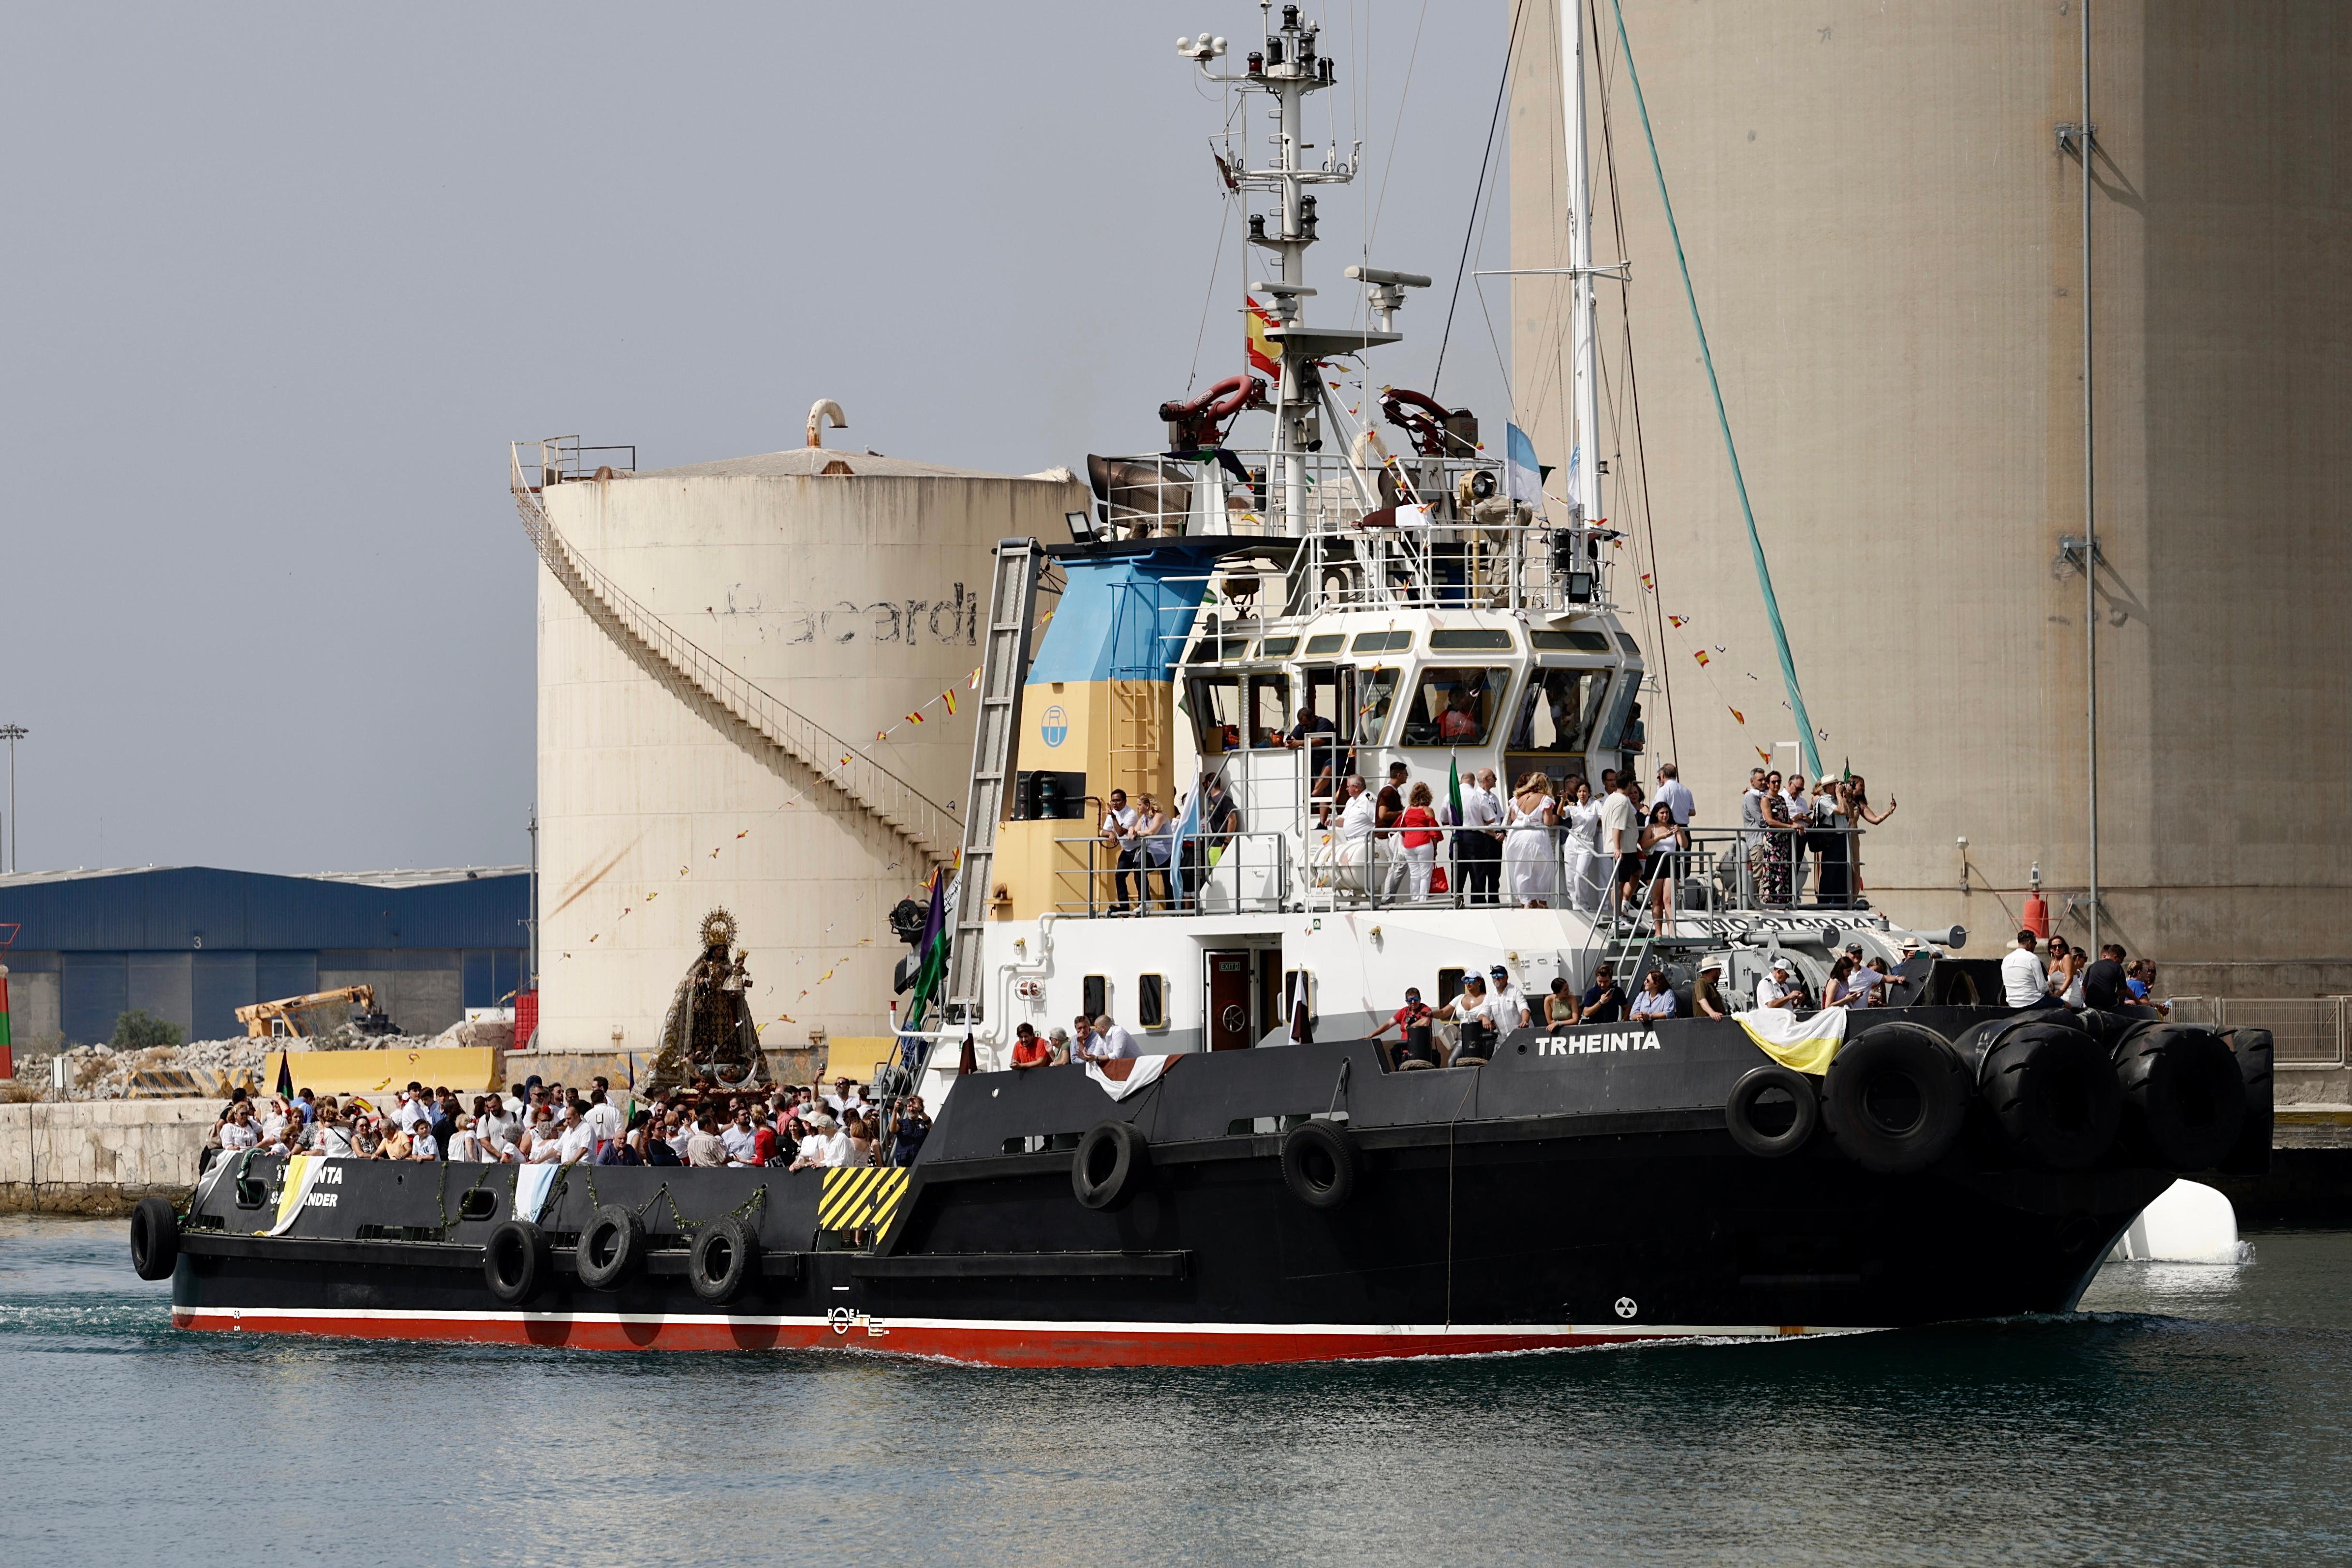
1763	1134
516	1261
1318	1163
725	1255
611	1249
2253	1155
2055	1093
2186	1097
1896	1098
155	1238
1110	1166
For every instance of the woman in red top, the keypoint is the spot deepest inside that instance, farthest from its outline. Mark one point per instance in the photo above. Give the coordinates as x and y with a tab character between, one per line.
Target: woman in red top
1028	1051
1419	834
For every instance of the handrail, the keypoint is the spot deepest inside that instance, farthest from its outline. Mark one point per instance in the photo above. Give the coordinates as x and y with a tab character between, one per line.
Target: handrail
930	829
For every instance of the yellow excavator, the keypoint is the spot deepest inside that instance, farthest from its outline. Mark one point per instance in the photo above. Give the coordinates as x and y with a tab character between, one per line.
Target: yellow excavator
303	1018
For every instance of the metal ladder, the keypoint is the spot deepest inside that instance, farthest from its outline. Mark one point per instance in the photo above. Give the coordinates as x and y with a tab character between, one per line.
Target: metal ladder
1003	668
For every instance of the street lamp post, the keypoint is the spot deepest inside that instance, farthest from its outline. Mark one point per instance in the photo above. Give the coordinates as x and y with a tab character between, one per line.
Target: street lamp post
12	733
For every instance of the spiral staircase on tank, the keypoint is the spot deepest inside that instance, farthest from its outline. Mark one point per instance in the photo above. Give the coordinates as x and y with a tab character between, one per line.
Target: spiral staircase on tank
759	723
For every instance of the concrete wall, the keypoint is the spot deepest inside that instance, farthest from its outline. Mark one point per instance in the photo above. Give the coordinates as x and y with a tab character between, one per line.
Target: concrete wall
33	1006
851	599
1886	243
100	1156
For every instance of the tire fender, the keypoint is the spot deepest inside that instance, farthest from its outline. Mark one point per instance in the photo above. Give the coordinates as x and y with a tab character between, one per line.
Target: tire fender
725	1254
2052	1089
1112	1161
1318	1163
611	1249
2185	1095
516	1261
1896	1098
155	1238
1739	1111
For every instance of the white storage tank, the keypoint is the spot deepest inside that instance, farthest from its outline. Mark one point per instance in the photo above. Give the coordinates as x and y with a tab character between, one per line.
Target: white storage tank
712	639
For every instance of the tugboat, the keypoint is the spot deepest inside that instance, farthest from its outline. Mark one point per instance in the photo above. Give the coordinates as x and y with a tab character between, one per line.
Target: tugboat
1268	1177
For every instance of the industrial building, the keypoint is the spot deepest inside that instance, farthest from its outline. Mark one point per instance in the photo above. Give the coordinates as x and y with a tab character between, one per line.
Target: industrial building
1884	212
733	659
192	945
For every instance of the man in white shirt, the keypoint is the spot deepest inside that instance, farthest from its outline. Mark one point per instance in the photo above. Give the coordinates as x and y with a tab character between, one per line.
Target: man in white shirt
1478	847
1675	794
575	1143
739	1137
1799	808
412	1108
2024	982
602	1119
1620	836
837	1150
1116	1042
1501	994
1359	813
1118	838
1779	988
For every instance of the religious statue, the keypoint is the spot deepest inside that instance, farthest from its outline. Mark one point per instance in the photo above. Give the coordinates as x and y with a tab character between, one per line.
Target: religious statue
709	1032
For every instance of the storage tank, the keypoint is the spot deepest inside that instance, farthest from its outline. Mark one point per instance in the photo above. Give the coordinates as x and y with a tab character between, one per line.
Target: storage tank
713	640
1886	238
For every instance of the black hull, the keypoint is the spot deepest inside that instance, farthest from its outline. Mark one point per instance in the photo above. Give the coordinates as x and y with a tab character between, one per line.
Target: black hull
1509	1208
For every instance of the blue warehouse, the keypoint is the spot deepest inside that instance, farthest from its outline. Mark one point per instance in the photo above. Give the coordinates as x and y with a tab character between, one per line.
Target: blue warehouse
193	943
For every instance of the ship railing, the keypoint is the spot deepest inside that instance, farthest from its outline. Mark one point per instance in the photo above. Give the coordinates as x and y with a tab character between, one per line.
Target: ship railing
1212	874
1713	871
1396	532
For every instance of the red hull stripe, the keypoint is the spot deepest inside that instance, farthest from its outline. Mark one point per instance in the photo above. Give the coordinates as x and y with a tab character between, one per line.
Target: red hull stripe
996	1342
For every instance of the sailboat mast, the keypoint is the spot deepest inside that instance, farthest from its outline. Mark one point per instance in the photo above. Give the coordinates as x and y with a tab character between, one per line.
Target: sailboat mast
1584	467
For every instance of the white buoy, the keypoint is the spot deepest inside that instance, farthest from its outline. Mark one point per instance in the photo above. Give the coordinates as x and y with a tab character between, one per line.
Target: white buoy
2189	1223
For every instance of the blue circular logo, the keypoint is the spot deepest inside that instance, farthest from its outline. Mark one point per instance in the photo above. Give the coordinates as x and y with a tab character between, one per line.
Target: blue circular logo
1056	727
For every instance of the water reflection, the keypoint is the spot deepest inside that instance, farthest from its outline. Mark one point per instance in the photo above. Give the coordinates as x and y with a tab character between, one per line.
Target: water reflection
2186	1415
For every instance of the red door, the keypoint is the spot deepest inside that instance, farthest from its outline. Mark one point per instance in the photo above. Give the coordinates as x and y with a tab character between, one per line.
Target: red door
1229	1002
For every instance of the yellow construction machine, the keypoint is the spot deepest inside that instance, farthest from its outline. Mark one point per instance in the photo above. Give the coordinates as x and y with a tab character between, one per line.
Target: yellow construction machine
304	1018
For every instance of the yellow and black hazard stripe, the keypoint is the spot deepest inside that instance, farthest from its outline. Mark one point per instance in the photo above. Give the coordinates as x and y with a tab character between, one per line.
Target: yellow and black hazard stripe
865	1199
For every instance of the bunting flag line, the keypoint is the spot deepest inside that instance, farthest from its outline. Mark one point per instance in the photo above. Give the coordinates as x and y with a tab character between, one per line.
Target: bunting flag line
1678	620
1700	654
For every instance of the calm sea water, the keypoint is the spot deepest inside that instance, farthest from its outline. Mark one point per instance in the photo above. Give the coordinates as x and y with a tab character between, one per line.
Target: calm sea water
2186	1415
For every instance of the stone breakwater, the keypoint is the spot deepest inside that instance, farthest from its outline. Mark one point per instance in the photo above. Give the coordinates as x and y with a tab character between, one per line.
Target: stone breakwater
99	1157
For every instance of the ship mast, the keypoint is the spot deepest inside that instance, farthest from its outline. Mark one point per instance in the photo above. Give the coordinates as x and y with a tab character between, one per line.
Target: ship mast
1584	465
1287	69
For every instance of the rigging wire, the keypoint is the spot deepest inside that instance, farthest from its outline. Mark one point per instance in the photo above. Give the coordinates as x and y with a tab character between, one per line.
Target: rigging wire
1634	401
1462	268
1811	753
1397	130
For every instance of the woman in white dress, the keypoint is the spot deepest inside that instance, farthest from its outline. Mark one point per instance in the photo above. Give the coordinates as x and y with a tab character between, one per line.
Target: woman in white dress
1582	816
1527	863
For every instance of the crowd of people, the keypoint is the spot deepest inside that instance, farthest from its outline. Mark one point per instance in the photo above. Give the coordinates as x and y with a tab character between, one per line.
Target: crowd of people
2059	974
801	1128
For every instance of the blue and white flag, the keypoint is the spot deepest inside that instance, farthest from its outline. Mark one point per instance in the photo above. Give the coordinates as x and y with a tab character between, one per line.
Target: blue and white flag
1522	475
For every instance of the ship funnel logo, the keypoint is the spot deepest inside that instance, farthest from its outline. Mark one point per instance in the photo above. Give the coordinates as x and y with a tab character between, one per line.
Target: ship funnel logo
1056	727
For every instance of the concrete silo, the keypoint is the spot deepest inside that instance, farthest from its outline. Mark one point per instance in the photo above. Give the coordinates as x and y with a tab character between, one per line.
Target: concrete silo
1886	238
712	641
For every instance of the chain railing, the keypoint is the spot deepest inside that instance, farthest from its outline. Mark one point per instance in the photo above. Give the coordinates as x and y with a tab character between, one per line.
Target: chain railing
933	831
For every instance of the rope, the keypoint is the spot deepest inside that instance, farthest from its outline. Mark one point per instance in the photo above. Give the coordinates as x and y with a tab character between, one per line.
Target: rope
1462	267
1723	421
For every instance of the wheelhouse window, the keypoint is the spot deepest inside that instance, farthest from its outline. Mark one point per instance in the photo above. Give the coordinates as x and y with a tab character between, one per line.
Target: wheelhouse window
1455	705
1215	703
1560	710
1268	704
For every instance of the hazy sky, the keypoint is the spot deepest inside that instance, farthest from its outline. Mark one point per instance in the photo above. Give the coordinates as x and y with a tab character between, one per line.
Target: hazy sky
284	280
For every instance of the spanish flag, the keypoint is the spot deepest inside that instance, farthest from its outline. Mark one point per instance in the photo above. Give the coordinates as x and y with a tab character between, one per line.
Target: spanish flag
1700	654
948	696
916	716
1262	354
